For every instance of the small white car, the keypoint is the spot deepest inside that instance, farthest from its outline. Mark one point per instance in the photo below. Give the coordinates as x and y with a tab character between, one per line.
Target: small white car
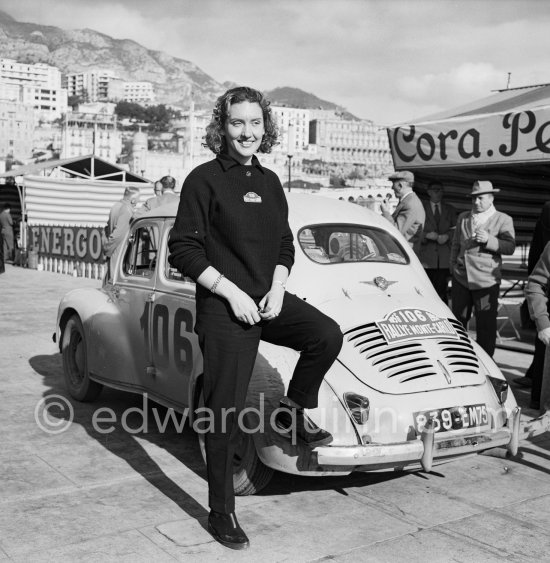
408	390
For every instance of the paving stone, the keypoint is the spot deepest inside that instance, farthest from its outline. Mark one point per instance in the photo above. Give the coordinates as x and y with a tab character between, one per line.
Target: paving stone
84	514
517	540
29	476
131	547
431	545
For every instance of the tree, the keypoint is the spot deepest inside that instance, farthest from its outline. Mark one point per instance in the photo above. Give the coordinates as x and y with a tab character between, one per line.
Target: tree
157	117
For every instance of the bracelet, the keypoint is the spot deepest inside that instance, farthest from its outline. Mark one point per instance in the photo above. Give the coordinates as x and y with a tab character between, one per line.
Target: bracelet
216	283
281	282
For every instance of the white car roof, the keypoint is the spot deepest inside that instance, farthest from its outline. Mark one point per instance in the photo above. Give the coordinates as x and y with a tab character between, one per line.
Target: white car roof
306	209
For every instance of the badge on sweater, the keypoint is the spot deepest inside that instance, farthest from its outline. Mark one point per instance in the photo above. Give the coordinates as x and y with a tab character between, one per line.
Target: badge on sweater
252	197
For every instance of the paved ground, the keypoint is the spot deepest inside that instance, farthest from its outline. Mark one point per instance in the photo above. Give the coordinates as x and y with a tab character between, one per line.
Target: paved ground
83	496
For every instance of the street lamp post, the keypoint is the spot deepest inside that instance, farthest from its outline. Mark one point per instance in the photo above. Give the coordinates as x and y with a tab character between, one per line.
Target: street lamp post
291	142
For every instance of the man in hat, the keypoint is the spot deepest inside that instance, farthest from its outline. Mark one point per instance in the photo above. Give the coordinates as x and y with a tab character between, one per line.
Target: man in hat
482	236
436	241
409	215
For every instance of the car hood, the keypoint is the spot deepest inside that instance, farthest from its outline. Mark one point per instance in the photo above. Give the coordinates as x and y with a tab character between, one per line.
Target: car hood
404	342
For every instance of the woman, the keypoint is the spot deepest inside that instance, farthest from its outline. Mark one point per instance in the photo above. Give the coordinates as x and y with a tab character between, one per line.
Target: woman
232	237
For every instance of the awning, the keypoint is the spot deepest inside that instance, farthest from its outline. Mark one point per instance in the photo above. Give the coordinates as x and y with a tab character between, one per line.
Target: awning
89	166
503	138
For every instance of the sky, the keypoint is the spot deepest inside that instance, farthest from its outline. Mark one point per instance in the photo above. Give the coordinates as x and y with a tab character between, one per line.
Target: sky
389	61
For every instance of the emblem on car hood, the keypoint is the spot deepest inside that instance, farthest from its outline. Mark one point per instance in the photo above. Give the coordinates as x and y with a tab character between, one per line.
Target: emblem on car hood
381	282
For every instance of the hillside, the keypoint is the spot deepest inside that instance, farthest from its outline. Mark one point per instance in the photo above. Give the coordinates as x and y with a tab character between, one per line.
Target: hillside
176	80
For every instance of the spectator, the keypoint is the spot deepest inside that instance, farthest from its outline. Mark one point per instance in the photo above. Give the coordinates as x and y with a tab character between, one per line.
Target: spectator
2	267
536	292
482	236
168	184
118	225
6	226
409	215
533	375
153	202
435	252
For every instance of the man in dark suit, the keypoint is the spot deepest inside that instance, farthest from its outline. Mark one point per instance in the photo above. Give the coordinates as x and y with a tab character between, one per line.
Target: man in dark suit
435	252
409	215
482	236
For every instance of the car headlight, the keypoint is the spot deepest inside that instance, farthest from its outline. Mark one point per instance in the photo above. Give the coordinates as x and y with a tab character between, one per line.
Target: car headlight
358	406
501	388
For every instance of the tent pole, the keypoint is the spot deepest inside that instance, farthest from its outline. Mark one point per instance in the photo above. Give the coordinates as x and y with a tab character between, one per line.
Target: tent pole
21	193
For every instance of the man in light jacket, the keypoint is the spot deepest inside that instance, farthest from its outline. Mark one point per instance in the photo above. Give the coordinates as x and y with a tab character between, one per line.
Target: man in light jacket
409	215
482	236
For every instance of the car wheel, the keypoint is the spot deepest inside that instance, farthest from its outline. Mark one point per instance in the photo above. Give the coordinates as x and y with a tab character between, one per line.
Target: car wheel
250	475
75	362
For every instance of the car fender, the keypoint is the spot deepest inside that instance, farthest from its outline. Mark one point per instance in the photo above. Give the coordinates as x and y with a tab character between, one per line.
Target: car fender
272	372
109	349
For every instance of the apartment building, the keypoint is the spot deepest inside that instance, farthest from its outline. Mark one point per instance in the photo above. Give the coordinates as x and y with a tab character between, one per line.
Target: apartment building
16	129
351	142
36	85
90	86
141	93
91	132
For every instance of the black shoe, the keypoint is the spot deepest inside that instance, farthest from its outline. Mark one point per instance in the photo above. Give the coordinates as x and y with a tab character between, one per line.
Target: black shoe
524	382
226	530
294	421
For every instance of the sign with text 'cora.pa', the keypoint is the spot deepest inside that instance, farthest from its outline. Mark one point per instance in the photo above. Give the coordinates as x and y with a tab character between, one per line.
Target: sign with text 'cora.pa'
414	324
519	136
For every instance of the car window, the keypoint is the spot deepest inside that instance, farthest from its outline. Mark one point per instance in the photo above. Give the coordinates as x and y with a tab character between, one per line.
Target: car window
330	244
141	254
172	273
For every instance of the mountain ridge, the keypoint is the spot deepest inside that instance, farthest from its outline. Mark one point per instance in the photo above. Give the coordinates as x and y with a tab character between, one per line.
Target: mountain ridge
177	81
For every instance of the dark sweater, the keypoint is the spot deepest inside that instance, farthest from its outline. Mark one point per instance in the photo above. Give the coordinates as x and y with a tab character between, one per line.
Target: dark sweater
234	218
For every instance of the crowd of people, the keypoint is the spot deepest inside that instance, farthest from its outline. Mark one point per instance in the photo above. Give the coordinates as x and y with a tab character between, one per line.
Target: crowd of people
466	249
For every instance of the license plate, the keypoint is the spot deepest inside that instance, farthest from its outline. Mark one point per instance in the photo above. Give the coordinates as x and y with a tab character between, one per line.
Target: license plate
453	418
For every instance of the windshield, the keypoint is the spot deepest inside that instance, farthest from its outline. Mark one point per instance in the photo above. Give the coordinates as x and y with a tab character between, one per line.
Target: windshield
328	244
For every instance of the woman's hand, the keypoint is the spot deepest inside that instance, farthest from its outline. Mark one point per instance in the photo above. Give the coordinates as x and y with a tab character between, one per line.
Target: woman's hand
272	302
243	307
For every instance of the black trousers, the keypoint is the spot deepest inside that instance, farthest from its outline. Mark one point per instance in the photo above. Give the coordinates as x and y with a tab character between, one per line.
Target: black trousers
229	349
440	280
536	369
485	304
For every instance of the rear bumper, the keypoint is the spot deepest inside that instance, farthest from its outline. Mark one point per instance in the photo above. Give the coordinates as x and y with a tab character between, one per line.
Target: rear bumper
423	451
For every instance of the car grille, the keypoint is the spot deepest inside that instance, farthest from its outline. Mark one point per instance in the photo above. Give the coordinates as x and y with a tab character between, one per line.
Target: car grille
415	359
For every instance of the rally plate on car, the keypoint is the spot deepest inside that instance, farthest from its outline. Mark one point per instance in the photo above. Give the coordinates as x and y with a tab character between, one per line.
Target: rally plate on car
414	324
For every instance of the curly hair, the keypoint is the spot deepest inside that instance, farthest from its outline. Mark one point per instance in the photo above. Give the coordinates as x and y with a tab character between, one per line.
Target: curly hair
215	139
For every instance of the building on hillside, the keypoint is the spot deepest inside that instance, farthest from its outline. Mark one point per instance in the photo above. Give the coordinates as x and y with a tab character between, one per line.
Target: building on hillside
16	130
92	132
91	85
36	85
155	164
141	93
191	131
352	144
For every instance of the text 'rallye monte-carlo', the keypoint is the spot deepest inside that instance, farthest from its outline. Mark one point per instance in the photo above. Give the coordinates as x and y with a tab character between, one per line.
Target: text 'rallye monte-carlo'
408	390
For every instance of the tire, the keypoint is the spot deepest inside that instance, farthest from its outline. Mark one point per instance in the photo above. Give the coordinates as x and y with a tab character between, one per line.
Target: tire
250	475
75	362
